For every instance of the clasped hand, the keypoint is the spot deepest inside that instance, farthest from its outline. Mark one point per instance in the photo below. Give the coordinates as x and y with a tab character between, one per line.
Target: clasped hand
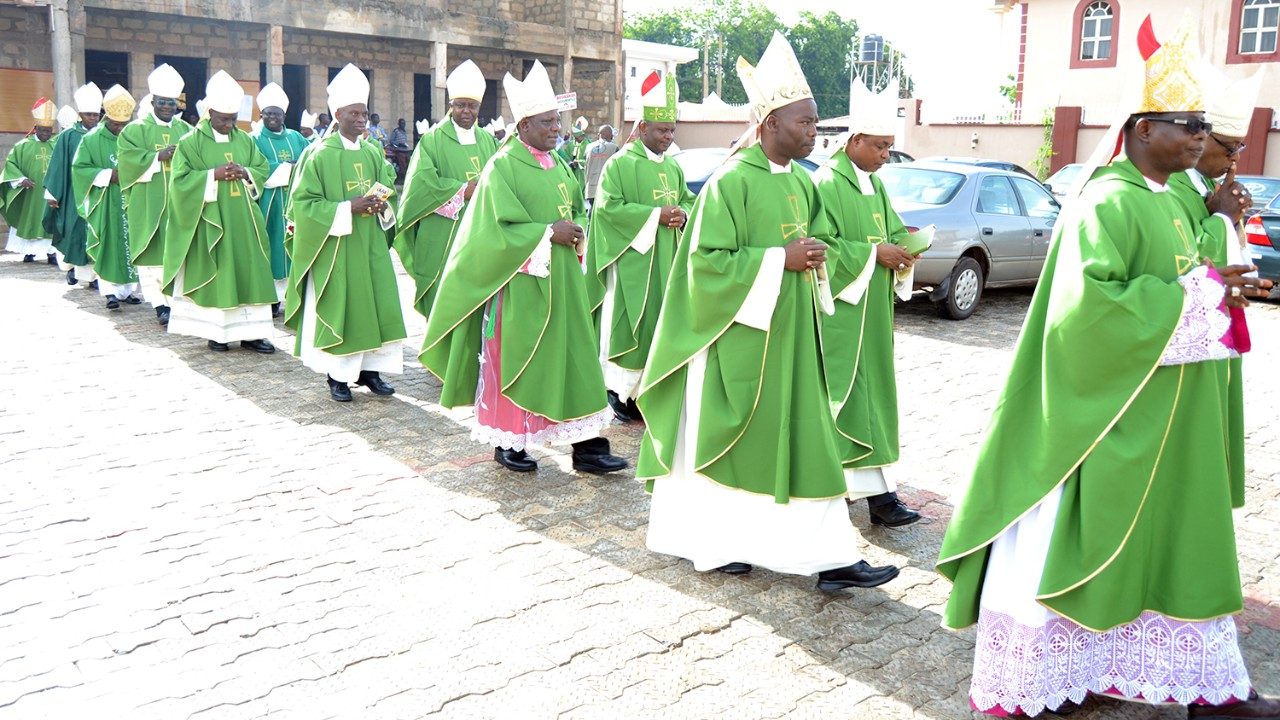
672	216
230	171
564	232
367	205
804	254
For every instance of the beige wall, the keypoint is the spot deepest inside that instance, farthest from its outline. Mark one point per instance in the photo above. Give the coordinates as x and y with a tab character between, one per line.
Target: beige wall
707	134
1011	143
1049	81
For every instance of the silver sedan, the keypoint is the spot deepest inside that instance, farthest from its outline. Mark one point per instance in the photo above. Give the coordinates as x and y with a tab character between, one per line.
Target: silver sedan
993	228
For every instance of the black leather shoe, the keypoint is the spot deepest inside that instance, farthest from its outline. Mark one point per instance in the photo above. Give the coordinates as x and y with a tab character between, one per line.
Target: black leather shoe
112	303
592	456
132	300
375	383
517	460
887	510
621	410
275	310
51	259
338	390
162	314
93	284
28	258
71	277
859	574
734	568
219	347
259	346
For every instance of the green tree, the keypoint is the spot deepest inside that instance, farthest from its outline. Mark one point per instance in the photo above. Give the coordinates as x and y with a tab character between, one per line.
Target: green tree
823	44
1010	90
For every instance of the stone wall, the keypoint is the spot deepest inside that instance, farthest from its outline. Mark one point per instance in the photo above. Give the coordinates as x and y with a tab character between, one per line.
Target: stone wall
234	47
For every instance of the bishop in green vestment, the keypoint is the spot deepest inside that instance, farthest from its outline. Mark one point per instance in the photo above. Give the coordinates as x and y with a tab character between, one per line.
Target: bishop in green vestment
21	197
440	181
741	447
283	148
97	182
858	351
513	294
145	151
62	218
217	263
640	210
343	301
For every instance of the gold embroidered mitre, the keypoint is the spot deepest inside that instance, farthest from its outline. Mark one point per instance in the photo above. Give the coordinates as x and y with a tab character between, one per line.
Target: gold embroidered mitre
1171	82
774	82
44	113
118	104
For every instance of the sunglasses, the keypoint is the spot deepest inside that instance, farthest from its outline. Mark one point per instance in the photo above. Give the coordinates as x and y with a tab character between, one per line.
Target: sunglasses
1235	149
1193	126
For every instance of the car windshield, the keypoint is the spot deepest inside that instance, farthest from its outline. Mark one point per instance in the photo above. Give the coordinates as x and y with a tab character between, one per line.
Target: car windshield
918	185
699	164
1263	189
1065	176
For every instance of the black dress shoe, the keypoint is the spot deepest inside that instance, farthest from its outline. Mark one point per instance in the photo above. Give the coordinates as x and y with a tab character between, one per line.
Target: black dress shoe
51	259
375	383
28	258
275	310
592	456
112	303
887	510
621	410
338	390
93	284
859	574
219	347
734	568
133	300
259	346
517	460
71	277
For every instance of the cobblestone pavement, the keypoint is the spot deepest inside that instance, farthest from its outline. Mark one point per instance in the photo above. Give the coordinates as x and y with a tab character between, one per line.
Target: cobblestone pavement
187	534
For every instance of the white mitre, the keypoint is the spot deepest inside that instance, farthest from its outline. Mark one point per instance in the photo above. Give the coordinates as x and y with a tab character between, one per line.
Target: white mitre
272	95
774	82
466	81
1230	104
349	87
532	96
88	99
873	113
223	94
165	82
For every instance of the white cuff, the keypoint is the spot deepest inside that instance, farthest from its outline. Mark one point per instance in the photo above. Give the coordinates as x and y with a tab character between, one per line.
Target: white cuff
1235	249
853	292
103	178
16	183
280	176
904	282
647	236
539	263
822	284
210	188
151	172
757	307
251	187
341	220
1203	324
49	196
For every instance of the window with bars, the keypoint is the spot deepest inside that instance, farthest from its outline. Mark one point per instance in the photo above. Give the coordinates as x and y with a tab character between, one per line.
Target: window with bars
1259	26
1096	31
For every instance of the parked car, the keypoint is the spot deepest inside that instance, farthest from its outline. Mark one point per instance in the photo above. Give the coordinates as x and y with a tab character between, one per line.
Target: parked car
993	228
980	162
1262	235
1263	189
1060	182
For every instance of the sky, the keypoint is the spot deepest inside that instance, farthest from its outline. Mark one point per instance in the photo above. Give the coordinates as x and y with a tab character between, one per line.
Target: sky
959	55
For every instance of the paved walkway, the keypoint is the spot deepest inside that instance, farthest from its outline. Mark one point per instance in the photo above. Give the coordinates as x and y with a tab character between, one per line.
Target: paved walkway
188	534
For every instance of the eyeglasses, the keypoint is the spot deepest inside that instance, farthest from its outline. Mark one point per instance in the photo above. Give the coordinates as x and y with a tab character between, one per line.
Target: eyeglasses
1235	149
1193	126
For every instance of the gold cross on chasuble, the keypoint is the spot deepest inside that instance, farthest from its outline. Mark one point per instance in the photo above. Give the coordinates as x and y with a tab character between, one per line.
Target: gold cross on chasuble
565	210
361	183
164	143
1185	263
475	168
235	187
666	195
798	229
43	156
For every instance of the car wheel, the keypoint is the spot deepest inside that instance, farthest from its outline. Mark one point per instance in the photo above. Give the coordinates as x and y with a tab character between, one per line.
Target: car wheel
964	289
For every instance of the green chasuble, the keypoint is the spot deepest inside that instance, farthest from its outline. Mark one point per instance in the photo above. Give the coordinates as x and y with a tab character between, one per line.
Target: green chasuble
282	147
1145	517
439	168
357	299
64	223
858	338
550	359
145	183
24	208
107	230
221	246
575	150
766	424
1213	245
632	186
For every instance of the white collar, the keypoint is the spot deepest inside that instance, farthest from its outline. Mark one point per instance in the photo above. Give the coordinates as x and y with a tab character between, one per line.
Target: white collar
656	157
349	144
466	136
1155	186
865	186
219	137
162	122
777	169
1198	181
